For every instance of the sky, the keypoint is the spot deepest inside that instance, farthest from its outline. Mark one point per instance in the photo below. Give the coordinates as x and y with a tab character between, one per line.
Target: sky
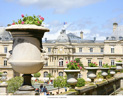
94	17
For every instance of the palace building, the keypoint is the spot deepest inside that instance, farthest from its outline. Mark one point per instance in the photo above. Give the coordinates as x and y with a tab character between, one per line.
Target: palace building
67	47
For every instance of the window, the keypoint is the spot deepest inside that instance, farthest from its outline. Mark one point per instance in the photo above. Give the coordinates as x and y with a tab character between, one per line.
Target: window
60	73
112	49
46	63
5	49
113	38
49	49
89	61
60	62
120	38
45	74
100	63
80	49
65	58
112	62
102	49
54	58
5	62
91	49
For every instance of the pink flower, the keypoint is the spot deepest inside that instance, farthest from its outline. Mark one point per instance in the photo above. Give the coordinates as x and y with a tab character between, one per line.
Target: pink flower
71	60
75	61
22	15
78	63
66	61
22	22
80	67
13	23
41	18
38	22
72	63
39	15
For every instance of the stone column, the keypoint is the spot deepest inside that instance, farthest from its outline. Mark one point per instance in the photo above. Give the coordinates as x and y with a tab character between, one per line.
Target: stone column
3	89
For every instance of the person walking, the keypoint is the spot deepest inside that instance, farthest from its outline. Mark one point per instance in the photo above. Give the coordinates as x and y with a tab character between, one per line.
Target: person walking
45	90
41	88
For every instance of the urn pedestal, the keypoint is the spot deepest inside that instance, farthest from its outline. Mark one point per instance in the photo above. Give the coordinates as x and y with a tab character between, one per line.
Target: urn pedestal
104	72
91	72
72	77
119	66
26	51
112	71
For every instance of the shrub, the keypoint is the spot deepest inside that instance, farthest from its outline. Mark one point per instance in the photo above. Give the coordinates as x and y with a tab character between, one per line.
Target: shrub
119	61
14	84
81	82
37	74
99	75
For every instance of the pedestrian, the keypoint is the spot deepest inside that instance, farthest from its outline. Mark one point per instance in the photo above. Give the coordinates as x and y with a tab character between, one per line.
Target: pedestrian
48	93
41	88
45	90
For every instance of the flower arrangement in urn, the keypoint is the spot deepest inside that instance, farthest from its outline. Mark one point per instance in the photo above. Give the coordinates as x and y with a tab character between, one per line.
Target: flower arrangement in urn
92	69
93	64
74	65
119	65
112	70
72	70
36	20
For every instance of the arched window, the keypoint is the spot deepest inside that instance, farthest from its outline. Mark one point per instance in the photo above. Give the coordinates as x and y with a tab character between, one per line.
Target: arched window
60	73
45	74
60	62
113	38
5	72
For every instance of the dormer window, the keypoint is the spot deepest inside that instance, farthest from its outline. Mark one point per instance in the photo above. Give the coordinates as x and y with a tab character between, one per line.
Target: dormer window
113	38
120	38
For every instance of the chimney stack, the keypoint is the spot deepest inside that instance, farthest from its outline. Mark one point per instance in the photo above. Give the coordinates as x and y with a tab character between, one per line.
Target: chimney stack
81	35
114	26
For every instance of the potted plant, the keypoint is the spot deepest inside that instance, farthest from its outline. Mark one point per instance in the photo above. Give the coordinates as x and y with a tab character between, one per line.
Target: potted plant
92	69
27	44
112	70
72	70
118	65
104	70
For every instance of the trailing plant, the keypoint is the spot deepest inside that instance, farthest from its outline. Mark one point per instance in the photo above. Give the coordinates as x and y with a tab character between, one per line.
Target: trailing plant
14	84
74	65
99	75
113	66
36	20
80	82
93	64
105	65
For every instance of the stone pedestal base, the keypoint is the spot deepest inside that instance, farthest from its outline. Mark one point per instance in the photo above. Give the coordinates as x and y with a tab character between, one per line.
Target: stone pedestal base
3	88
24	93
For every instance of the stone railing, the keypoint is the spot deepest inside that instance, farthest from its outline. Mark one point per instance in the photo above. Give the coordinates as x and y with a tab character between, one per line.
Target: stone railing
101	88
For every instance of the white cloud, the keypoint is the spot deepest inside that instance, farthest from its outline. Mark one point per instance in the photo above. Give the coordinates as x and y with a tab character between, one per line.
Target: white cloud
59	6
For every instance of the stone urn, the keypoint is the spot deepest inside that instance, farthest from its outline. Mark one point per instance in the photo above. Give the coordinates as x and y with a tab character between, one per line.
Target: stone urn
26	51
72	76
104	72
118	66
92	72
112	71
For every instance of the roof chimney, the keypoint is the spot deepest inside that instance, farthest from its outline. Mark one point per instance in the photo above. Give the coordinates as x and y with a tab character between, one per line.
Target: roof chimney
81	35
114	26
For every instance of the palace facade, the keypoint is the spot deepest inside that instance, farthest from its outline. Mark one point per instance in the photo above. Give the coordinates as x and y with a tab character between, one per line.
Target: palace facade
67	47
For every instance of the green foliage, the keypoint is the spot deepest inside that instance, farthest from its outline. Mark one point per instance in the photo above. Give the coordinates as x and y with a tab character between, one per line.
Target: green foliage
113	66
92	64
49	76
121	71
119	61
105	66
66	84
59	82
109	75
80	82
75	64
14	84
0	74
99	75
37	74
37	20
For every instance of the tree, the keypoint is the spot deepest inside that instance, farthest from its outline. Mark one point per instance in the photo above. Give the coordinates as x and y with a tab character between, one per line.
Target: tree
14	84
37	74
59	82
49	76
